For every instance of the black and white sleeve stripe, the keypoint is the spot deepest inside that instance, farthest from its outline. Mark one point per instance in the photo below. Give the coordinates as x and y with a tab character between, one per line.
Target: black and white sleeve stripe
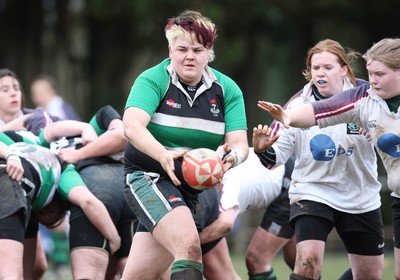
268	158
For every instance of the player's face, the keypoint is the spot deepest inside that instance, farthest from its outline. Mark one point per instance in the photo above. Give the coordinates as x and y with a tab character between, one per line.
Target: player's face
10	97
41	93
327	74
384	80
188	59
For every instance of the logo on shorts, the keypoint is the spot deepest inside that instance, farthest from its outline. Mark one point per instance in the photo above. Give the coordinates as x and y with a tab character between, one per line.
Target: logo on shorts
380	246
173	198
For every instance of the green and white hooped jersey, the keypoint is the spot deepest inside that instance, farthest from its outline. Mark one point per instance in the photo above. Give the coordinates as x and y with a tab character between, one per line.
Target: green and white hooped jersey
47	166
180	122
52	176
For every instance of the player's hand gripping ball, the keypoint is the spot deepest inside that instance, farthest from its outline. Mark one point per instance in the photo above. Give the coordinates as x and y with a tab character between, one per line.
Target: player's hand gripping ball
202	168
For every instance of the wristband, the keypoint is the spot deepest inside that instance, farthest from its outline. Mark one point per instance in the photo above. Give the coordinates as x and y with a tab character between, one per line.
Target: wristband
236	155
13	156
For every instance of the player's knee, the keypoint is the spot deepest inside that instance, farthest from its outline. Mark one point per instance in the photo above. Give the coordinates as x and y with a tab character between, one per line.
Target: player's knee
194	253
251	257
310	265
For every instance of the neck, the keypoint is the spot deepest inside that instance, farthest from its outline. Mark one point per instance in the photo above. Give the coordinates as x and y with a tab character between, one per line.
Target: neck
7	118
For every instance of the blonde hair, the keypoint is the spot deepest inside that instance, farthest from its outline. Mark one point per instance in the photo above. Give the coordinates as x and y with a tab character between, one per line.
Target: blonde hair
193	25
386	51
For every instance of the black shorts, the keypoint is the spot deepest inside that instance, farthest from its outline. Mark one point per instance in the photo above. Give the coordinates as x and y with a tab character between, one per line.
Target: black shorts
15	208
396	221
362	234
12	227
84	234
276	216
106	182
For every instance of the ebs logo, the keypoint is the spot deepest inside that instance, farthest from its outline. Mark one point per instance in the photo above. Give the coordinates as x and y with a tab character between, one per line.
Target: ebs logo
323	148
390	144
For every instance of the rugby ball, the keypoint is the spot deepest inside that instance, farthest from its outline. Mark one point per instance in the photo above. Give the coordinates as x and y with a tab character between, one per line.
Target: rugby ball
202	168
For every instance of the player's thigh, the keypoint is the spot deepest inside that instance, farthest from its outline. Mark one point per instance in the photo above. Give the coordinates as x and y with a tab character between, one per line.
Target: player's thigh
265	244
397	262
147	258
88	263
177	232
366	267
11	255
218	262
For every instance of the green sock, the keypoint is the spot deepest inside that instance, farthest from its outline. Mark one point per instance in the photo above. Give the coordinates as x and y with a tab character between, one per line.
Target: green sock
186	269
268	275
180	265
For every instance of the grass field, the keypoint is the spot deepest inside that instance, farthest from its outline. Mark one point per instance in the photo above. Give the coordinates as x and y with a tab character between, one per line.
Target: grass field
334	265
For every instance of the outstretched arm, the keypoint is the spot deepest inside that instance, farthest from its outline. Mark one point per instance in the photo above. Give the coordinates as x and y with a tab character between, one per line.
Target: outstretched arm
67	128
301	116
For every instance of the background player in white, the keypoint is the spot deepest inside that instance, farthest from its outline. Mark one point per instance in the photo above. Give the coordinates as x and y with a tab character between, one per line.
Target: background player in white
251	186
334	182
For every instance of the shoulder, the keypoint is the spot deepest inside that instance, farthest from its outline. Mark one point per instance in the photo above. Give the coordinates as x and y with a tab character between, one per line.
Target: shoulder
360	82
295	100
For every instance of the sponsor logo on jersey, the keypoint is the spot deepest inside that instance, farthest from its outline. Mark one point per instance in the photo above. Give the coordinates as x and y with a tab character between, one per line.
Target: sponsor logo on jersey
372	123
389	143
171	103
191	88
173	199
323	148
352	129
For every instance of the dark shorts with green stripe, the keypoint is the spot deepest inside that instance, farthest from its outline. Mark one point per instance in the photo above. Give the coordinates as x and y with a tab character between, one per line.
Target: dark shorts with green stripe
150	197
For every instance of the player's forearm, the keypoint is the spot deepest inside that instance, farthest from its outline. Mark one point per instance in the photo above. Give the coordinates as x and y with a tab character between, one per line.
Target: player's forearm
16	124
214	231
110	142
302	116
97	213
65	128
143	140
